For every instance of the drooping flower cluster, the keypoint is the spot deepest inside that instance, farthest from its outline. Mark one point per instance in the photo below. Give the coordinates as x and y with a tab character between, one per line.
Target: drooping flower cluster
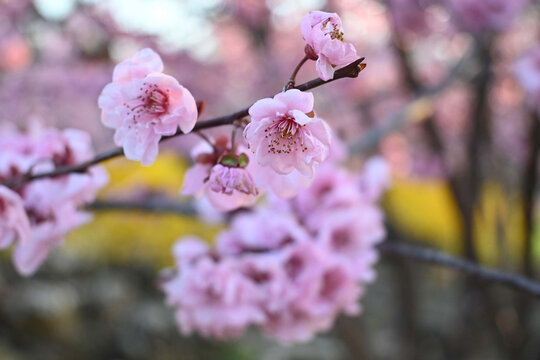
324	35
35	216
142	104
527	71
289	269
486	15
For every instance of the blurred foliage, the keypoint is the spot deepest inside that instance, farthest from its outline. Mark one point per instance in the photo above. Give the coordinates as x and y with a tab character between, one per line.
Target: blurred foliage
120	236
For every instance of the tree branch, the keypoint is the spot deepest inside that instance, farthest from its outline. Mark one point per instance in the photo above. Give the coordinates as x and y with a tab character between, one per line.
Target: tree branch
388	248
350	71
431	256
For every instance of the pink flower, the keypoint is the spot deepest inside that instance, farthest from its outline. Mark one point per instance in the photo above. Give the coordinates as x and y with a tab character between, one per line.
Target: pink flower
48	232
226	180
189	249
285	134
51	203
324	36
317	287
527	70
375	178
477	16
352	234
284	186
142	104
332	188
260	231
213	298
222	176
14	223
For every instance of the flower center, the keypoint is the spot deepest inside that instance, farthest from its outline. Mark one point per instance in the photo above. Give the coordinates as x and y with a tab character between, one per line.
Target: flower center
157	102
153	101
335	33
283	136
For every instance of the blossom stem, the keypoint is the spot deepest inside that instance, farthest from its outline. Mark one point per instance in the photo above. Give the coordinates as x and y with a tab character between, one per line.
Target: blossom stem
292	79
350	71
233	138
205	138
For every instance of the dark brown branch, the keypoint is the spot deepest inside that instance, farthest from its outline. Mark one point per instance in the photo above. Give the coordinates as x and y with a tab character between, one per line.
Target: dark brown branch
350	71
389	248
528	191
431	256
292	78
159	206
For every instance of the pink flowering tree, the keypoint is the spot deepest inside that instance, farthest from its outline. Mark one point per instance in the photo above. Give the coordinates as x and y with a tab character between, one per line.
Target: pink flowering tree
297	183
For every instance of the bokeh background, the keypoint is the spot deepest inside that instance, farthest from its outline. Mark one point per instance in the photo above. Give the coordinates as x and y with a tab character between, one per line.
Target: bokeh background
442	105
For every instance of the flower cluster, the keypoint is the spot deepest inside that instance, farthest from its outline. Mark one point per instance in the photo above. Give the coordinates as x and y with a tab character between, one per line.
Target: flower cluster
285	139
35	216
290	268
142	104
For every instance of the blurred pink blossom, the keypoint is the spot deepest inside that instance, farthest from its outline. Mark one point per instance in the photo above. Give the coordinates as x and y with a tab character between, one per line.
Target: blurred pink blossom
50	203
142	104
213	297
14	223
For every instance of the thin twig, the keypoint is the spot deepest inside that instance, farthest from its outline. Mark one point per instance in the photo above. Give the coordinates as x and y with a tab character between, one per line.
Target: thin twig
160	206
350	71
431	256
390	248
292	79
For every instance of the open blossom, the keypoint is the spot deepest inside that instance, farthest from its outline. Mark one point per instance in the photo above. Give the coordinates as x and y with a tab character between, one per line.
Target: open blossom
221	175
285	134
142	104
477	16
527	70
14	223
324	36
50	204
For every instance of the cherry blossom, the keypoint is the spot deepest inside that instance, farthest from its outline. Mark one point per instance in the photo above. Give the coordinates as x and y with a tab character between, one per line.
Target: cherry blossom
50	204
142	104
221	174
324	36
285	134
14	223
213	298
